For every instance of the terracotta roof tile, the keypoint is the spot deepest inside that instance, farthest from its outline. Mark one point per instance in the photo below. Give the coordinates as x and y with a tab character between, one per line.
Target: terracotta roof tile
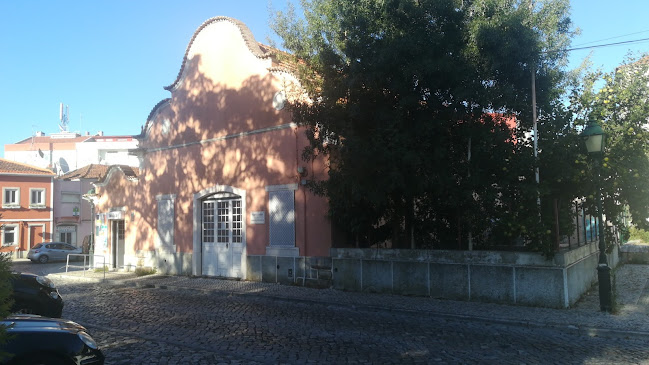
92	171
12	167
131	173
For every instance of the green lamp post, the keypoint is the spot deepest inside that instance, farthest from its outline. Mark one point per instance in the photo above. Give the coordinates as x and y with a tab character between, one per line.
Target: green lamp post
595	139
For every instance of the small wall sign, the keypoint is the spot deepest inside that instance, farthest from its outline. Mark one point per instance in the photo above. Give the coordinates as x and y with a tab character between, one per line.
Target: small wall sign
257	218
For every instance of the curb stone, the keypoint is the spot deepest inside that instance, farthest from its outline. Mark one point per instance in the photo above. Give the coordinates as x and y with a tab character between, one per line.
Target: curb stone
584	330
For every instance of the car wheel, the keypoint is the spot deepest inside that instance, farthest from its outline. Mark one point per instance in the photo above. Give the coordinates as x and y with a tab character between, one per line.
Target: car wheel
43	259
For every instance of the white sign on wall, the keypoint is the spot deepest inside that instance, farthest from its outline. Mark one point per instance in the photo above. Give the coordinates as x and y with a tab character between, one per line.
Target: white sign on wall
257	218
117	214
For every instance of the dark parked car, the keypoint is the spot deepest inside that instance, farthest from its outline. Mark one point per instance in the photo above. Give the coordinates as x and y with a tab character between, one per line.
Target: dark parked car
53	251
42	340
35	294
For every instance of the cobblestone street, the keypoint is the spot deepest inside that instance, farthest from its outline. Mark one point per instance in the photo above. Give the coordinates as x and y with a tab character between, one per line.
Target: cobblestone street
160	326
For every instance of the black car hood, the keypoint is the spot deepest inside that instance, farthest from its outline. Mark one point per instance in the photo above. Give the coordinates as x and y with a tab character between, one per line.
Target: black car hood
34	323
24	274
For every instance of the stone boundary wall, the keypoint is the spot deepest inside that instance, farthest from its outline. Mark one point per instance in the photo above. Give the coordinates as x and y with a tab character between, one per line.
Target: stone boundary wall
520	278
283	270
634	253
485	276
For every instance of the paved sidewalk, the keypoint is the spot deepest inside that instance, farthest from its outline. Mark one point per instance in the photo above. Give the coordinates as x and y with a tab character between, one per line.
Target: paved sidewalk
631	283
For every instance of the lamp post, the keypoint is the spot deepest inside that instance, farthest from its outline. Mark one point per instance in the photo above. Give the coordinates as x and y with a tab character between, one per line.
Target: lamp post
595	138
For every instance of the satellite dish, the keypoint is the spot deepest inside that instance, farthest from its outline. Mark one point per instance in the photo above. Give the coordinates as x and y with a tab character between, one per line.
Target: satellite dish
63	165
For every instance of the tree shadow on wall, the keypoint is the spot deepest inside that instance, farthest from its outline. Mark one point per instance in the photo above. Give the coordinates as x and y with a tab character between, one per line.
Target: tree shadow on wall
212	134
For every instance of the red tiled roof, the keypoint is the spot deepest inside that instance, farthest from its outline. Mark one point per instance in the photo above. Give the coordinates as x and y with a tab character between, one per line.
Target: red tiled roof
131	173
92	171
11	167
48	139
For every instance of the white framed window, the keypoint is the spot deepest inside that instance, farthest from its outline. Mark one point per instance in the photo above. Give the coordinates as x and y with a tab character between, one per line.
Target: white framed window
10	198
36	198
67	234
10	234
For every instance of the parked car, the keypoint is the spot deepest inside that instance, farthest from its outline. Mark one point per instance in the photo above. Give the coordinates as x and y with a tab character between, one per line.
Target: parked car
35	294
52	251
42	340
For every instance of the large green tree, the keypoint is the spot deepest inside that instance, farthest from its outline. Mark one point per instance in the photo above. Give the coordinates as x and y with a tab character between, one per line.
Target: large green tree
618	101
409	102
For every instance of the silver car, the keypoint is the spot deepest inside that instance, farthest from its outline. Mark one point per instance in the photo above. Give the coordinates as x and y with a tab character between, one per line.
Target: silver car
52	251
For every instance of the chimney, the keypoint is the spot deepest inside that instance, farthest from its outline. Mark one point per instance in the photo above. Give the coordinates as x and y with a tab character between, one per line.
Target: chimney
100	133
40	134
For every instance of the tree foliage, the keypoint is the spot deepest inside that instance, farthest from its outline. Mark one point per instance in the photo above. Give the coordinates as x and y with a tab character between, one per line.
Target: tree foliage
410	102
5	295
618	102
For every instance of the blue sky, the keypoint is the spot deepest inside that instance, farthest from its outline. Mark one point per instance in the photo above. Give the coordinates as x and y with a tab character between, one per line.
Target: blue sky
109	60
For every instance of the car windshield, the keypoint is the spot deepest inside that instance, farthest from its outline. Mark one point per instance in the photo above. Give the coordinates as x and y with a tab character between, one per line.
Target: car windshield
38	246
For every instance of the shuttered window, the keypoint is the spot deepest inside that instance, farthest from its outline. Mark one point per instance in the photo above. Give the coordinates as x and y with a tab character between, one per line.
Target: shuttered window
281	207
166	222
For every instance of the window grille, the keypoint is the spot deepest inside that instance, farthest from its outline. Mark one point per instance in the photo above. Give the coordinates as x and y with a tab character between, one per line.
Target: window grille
237	222
208	221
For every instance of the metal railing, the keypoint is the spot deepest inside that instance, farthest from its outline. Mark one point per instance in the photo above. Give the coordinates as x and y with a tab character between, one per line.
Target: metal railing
86	263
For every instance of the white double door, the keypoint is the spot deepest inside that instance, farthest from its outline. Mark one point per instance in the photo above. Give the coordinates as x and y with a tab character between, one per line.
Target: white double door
222	238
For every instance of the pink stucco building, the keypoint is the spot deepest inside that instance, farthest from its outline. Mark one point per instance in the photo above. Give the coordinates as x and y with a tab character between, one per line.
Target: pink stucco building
26	216
220	191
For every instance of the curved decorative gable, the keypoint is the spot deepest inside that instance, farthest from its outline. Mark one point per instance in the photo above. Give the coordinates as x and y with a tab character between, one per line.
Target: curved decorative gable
246	36
228	85
126	172
157	109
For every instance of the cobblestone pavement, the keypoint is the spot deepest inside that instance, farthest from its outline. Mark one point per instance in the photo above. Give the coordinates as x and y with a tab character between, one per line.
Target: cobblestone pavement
142	325
181	320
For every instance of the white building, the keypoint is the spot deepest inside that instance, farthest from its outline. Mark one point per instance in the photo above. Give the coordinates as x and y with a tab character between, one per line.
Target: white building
67	151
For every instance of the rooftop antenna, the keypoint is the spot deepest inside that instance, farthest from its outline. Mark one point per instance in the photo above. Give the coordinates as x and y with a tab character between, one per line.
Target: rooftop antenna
63	117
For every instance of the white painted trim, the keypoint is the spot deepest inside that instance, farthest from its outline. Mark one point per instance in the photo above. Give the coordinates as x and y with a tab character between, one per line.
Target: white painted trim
11	206
270	188
223	138
29	233
171	197
32	205
197	256
16	233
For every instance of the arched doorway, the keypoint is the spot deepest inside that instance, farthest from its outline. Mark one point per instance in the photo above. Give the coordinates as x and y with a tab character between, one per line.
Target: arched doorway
221	232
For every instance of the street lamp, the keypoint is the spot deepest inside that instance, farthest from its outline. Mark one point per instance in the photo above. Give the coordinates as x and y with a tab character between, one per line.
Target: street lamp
595	138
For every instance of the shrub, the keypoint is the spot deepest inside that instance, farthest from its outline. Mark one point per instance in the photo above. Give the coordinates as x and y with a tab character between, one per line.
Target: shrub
638	234
141	271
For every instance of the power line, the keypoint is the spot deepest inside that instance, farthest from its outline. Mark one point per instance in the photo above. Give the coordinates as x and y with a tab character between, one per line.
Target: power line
598	46
616	37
